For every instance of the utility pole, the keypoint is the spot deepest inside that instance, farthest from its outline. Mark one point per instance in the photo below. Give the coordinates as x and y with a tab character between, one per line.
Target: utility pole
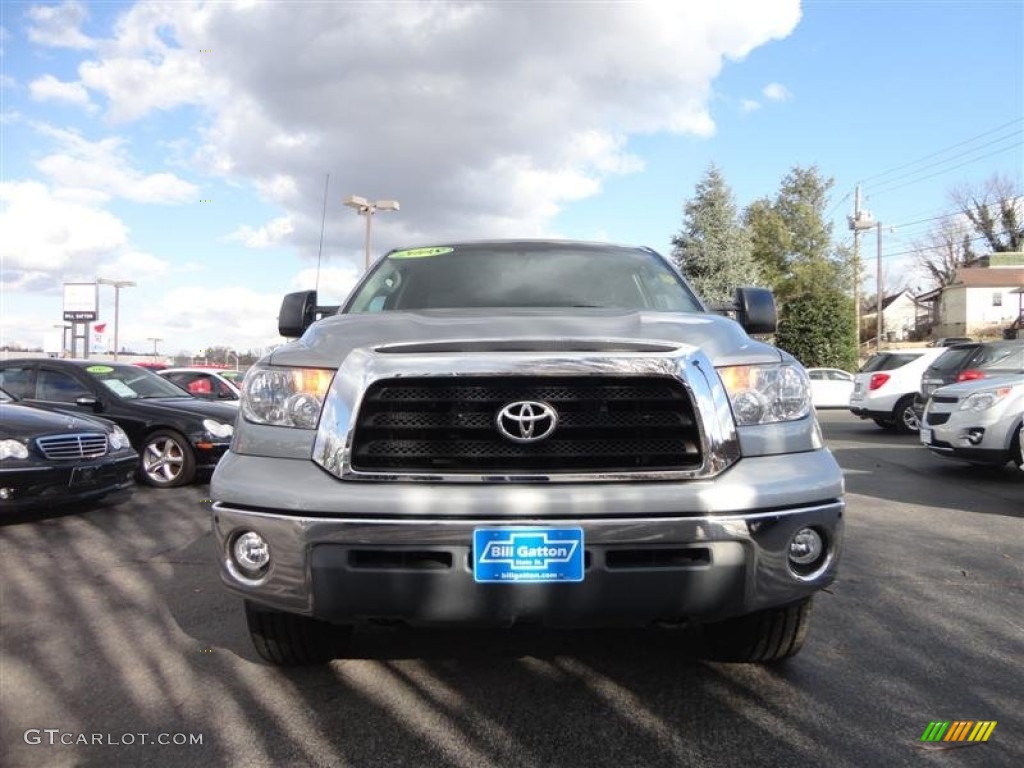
859	222
879	289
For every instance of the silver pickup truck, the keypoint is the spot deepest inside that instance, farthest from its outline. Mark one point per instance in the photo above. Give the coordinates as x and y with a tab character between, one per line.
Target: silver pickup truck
527	431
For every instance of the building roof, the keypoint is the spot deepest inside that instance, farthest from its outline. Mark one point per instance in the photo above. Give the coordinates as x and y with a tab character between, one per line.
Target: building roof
987	277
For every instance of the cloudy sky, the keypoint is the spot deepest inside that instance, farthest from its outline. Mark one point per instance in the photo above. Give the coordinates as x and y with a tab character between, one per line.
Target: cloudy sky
185	145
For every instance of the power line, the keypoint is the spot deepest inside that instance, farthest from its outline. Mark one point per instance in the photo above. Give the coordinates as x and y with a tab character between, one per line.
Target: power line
886	190
970	151
943	150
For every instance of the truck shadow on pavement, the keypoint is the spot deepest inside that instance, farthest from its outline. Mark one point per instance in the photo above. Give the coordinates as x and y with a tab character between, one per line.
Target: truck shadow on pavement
115	622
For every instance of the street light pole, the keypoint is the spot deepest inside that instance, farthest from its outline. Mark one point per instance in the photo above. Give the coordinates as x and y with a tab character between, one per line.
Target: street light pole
154	339
118	285
859	222
365	208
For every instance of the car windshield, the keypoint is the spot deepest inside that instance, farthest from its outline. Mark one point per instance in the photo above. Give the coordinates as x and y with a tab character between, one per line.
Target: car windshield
491	275
5	398
134	383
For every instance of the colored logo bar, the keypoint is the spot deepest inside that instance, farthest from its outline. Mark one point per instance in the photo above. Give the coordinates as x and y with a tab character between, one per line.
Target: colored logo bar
958	730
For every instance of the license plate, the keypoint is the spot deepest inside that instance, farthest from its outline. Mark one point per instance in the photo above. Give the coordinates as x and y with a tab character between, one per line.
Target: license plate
81	476
511	555
926	436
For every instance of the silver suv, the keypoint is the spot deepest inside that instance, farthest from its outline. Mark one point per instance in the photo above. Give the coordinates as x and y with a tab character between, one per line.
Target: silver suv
977	421
527	431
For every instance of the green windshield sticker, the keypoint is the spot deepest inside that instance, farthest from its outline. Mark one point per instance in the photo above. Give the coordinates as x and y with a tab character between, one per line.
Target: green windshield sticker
99	369
419	253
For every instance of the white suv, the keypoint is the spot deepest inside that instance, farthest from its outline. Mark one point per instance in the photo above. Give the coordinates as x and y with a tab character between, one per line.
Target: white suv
884	388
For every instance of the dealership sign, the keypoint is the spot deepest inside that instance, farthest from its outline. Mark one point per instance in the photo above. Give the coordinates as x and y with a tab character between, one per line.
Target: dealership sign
80	302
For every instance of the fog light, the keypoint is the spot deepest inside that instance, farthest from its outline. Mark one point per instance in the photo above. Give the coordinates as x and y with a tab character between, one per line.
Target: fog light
976	435
251	553
805	548
6	493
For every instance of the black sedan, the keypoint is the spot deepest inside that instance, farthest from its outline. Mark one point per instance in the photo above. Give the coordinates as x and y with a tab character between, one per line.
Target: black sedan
177	435
50	459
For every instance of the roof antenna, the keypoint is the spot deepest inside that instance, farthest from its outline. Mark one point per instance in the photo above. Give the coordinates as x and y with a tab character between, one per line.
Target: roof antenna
323	221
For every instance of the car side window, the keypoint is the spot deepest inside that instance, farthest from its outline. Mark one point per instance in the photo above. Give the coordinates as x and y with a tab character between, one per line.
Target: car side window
59	387
18	381
816	375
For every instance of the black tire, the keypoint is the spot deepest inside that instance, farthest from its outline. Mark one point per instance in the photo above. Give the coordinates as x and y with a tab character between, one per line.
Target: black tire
166	460
765	636
905	417
1016	454
290	640
884	423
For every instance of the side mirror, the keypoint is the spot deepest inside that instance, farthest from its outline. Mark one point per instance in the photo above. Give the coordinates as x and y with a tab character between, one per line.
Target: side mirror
90	402
298	311
755	310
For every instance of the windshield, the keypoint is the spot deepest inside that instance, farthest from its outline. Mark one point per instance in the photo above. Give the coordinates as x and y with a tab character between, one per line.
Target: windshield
523	275
131	382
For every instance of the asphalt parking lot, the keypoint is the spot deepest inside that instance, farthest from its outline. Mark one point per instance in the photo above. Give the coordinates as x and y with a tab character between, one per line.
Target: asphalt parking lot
114	625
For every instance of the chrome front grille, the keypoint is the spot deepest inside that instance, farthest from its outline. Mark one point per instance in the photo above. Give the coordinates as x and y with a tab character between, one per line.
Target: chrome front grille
606	424
86	445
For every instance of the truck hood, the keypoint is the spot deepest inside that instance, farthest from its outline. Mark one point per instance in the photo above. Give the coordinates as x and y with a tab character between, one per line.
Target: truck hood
574	331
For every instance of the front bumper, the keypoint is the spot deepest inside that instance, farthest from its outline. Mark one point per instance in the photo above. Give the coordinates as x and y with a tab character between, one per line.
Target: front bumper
348	552
51	485
209	452
979	438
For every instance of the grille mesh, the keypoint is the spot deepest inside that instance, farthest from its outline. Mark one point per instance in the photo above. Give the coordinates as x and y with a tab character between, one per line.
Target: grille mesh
605	423
75	446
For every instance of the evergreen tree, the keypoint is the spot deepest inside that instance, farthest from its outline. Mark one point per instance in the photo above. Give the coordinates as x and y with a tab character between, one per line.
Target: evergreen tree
811	278
713	249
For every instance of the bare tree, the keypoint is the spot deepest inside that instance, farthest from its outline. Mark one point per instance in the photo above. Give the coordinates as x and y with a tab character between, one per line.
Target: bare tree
945	249
996	213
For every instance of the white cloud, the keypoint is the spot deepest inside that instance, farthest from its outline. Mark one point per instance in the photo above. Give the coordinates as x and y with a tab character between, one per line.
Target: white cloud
273	232
220	315
776	92
49	88
48	239
103	166
749	105
482	119
59	26
334	285
134	265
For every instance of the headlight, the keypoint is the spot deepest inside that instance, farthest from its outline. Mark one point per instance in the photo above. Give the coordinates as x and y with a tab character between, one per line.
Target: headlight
217	428
118	439
13	449
285	397
763	394
985	399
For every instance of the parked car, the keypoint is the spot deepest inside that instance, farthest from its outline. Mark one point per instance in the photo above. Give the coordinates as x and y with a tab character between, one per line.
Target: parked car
885	387
978	421
965	362
49	459
949	341
206	383
176	435
830	387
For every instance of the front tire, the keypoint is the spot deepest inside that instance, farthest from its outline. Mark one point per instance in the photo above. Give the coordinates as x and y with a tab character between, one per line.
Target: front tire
167	460
905	416
770	635
289	640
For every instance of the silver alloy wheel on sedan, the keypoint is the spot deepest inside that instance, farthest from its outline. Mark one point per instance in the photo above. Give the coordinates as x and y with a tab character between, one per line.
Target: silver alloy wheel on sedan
167	460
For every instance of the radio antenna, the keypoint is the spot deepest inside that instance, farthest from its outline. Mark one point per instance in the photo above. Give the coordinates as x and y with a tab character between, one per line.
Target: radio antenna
323	222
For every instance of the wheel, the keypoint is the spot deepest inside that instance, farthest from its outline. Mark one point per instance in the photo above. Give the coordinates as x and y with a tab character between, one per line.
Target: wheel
884	423
290	640
905	417
770	635
167	460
